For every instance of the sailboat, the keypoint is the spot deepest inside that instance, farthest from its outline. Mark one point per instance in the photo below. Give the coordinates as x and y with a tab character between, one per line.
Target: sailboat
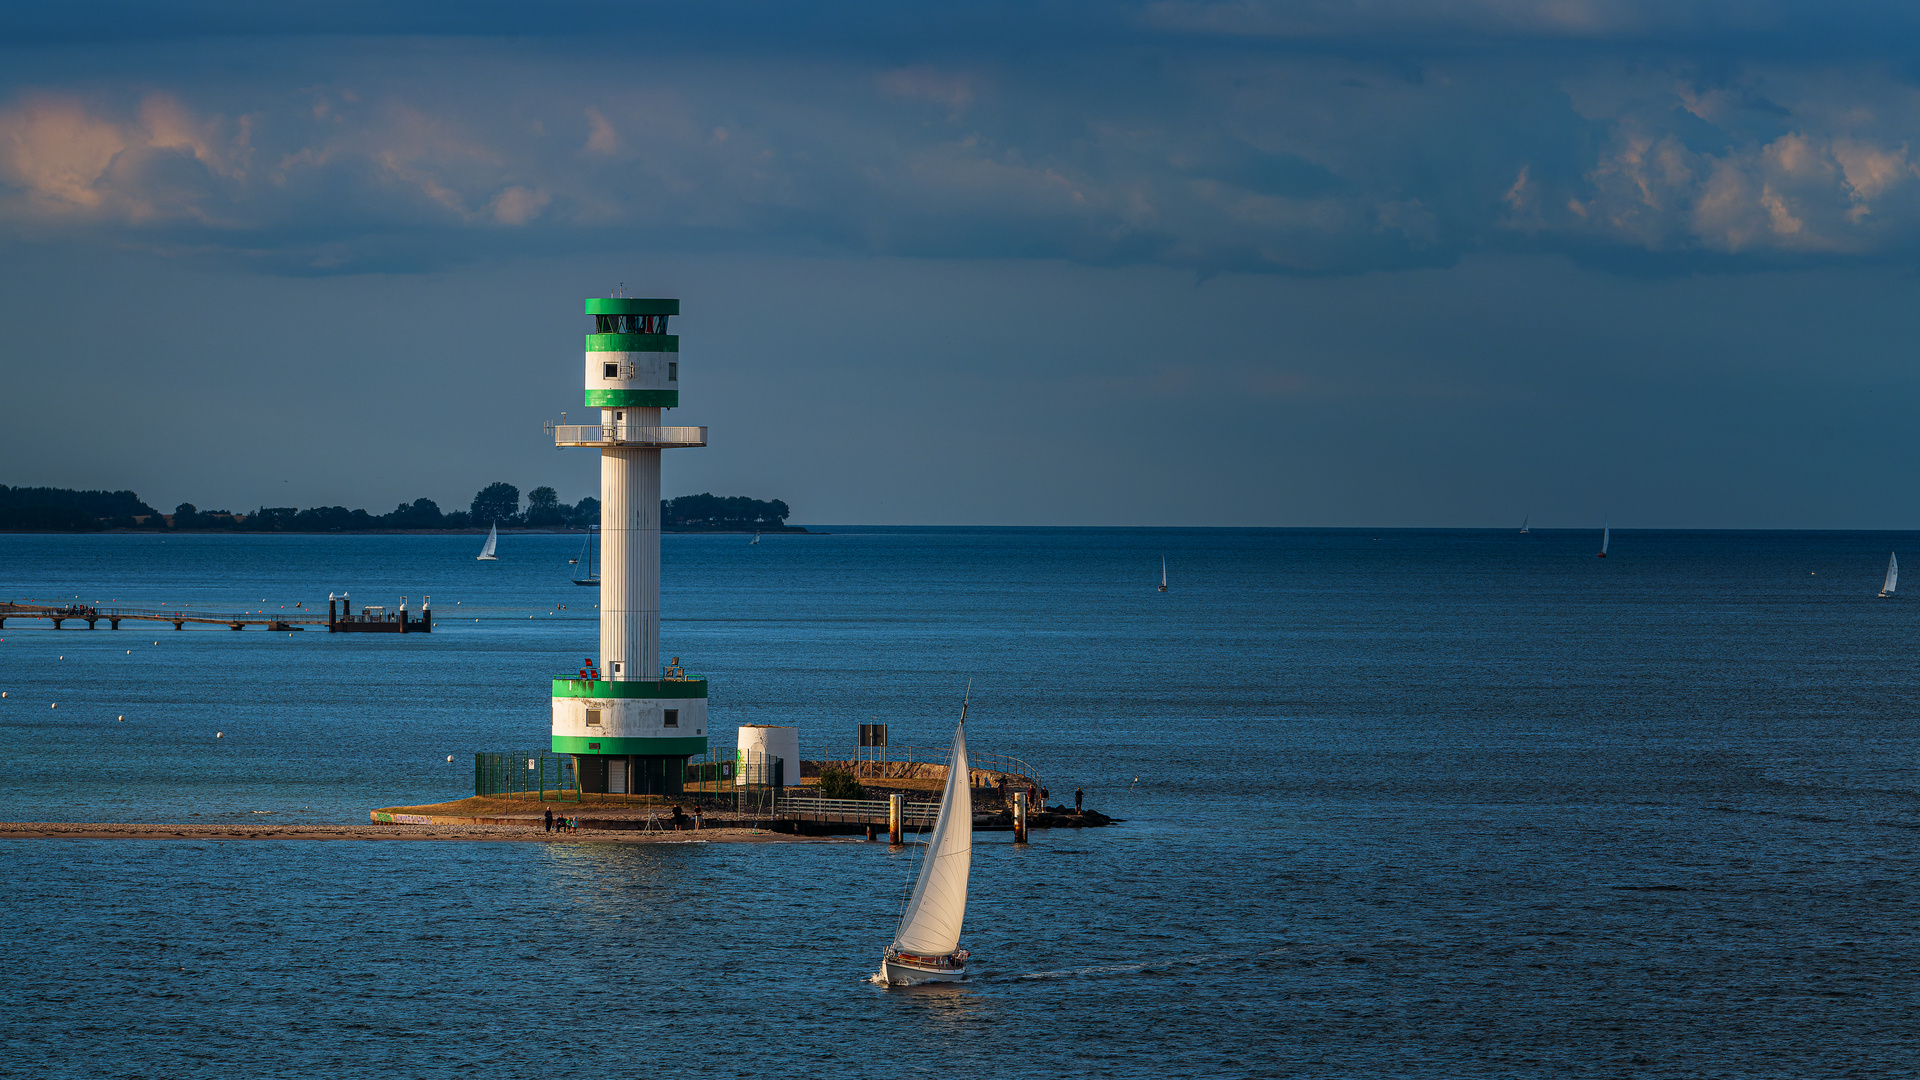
493	538
586	554
1523	524
1163	571
926	947
1893	574
1606	533
756	538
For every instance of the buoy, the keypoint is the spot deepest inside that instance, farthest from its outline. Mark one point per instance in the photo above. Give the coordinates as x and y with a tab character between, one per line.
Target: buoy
449	757
3	693
129	652
123	718
54	705
63	658
217	734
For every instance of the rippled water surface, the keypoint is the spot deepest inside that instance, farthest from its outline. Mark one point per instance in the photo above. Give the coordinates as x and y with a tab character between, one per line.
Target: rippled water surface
1397	804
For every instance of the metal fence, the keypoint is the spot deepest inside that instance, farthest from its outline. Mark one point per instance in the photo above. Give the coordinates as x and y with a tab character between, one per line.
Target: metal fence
913	813
709	781
715	782
543	777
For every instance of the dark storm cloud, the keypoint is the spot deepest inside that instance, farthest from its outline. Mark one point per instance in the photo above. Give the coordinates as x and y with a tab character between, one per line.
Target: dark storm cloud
1303	138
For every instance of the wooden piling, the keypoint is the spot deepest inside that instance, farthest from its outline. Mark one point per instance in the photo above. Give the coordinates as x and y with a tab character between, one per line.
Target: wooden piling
1019	817
896	818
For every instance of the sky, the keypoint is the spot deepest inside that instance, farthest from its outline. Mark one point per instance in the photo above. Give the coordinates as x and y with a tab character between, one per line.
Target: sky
1379	263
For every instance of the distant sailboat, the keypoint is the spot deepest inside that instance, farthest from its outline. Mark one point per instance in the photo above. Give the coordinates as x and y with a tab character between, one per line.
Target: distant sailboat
926	947
1606	533
1523	525
756	538
586	552
1893	574
1163	571
493	538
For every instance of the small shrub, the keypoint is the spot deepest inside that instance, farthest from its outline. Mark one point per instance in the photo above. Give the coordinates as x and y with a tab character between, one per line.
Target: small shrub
840	784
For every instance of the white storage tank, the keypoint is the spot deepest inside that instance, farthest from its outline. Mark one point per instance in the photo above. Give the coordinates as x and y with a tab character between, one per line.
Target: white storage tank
759	746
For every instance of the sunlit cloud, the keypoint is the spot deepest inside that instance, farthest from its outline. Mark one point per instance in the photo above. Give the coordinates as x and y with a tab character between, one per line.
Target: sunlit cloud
1248	159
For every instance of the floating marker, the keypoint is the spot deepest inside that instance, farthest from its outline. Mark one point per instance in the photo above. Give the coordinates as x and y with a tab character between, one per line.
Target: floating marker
54	705
449	757
123	718
217	734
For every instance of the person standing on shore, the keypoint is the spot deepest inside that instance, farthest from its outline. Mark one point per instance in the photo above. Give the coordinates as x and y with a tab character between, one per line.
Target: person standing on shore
1076	800
549	819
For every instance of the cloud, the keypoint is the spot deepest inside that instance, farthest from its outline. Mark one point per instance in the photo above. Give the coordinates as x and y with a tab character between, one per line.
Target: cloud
1262	157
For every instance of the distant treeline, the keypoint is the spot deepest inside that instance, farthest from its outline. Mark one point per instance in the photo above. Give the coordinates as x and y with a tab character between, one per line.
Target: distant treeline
24	509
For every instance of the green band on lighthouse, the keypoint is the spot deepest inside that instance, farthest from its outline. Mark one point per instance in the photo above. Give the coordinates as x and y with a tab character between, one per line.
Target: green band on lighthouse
634	688
631	305
633	399
574	744
633	343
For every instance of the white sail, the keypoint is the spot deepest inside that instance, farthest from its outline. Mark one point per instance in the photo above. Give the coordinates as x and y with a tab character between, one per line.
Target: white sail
493	537
1893	574
1163	571
1523	522
931	924
1606	534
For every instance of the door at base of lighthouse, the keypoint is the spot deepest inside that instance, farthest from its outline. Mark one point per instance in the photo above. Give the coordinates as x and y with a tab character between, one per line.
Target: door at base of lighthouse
617	776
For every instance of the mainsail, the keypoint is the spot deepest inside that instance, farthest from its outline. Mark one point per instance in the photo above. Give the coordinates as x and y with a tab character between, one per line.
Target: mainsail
1893	574
931	924
493	537
1606	534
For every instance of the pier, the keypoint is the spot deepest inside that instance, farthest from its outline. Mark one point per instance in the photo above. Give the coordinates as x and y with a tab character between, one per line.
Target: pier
345	621
113	616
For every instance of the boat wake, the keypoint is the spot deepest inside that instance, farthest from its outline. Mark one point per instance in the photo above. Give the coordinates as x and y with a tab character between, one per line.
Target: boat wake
1145	966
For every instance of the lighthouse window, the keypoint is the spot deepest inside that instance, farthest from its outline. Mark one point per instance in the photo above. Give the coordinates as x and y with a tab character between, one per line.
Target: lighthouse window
629	324
673	371
672	717
593	717
609	371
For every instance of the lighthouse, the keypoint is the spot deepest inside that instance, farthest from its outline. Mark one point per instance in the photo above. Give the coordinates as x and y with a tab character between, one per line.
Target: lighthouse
629	722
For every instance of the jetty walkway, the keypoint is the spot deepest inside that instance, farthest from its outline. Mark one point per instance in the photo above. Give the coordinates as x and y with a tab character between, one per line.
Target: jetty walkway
114	616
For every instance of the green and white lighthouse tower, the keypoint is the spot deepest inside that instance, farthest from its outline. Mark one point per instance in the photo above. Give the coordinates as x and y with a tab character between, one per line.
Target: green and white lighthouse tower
630	723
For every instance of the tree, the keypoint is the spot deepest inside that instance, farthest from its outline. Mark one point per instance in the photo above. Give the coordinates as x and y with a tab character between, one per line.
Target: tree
497	502
714	511
543	507
420	514
585	512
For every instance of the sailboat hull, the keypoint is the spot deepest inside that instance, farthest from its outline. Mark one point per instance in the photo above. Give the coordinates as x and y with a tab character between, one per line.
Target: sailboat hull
896	970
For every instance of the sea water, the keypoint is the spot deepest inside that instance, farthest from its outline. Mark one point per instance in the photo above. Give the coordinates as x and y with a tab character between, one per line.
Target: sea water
1396	803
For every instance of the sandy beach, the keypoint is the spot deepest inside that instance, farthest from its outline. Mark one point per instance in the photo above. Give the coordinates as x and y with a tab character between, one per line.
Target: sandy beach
92	830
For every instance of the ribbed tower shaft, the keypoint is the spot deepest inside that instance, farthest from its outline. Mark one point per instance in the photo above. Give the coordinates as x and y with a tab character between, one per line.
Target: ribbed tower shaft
630	554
